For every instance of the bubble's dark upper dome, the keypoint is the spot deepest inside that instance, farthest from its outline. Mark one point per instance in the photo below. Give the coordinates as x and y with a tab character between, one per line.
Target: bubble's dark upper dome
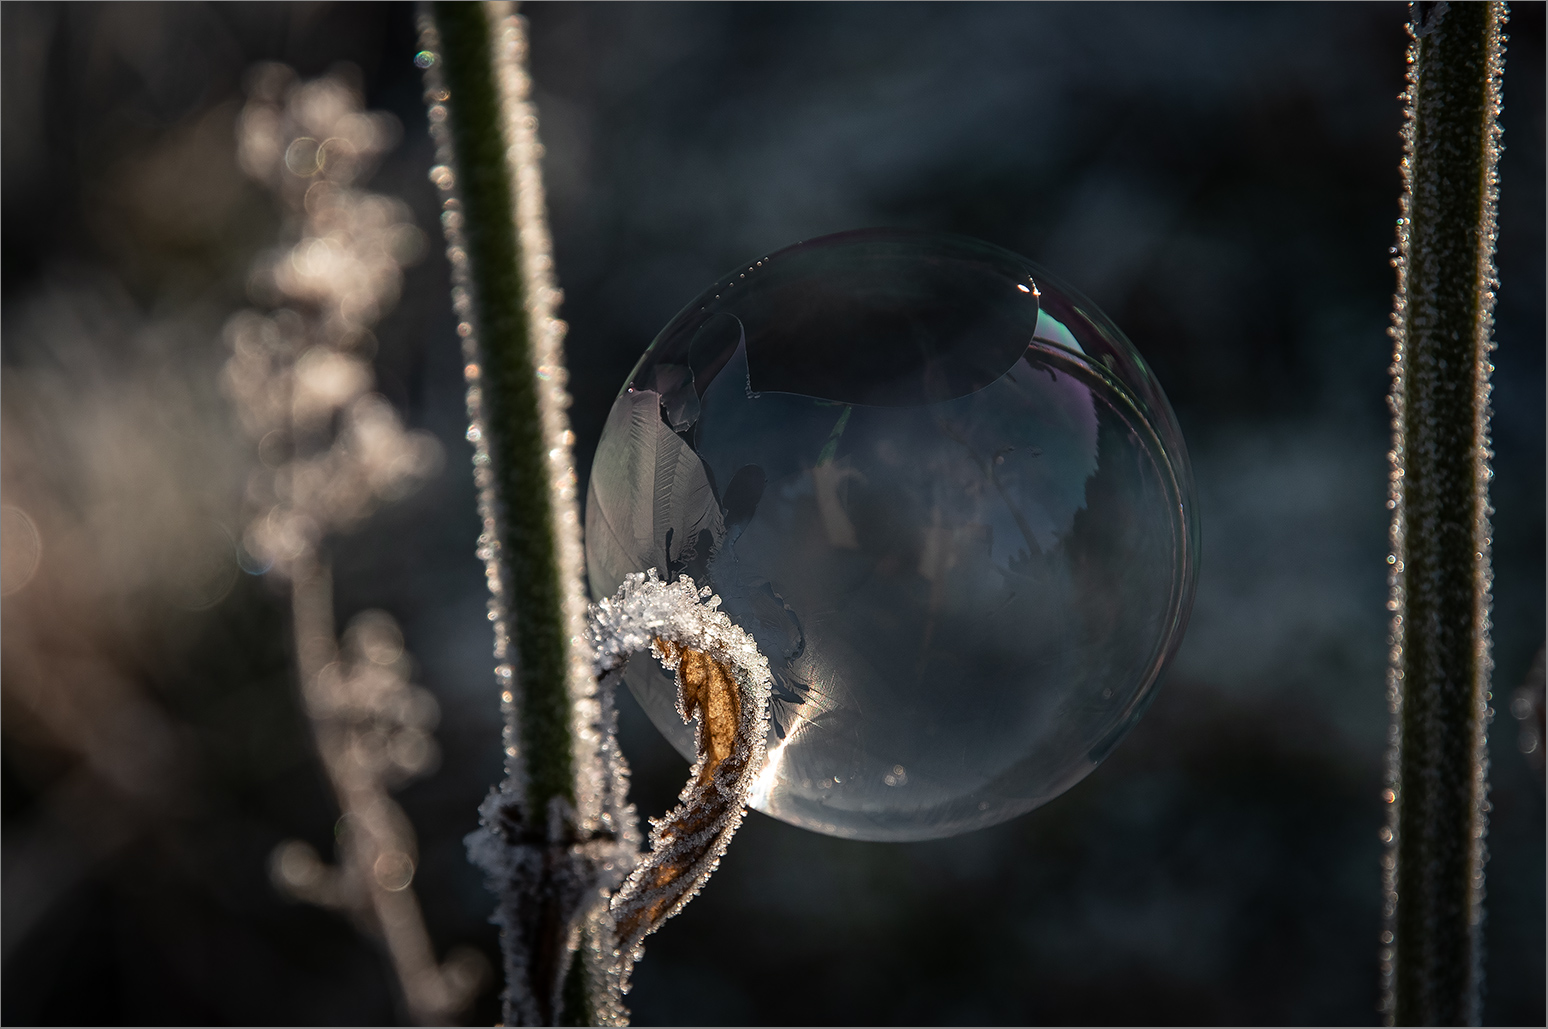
956	312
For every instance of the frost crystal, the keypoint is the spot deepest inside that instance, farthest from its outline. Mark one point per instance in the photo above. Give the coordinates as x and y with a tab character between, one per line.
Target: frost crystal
723	682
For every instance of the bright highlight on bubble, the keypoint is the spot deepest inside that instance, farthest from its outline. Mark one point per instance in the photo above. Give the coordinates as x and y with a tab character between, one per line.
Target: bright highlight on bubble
946	497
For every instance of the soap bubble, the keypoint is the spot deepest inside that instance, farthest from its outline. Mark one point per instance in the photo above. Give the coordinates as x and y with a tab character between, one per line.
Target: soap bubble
944	494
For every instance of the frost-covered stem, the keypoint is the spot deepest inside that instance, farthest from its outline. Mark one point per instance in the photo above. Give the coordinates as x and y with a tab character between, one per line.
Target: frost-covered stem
509	315
556	834
1440	668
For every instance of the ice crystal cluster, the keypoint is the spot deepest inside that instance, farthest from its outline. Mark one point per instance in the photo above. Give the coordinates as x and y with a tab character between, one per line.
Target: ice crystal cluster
722	688
943	494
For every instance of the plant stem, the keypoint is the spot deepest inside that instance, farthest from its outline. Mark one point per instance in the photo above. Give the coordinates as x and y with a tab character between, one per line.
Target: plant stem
376	825
513	420
557	835
1441	664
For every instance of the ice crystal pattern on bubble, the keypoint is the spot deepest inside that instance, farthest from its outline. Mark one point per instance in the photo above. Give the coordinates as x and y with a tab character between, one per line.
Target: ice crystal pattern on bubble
944	495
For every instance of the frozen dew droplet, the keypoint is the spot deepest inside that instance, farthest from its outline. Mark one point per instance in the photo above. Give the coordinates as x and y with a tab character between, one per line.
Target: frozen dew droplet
946	497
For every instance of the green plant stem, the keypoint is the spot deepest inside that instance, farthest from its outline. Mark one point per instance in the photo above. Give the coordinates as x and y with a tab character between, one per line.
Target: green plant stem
556	836
514	422
1441	572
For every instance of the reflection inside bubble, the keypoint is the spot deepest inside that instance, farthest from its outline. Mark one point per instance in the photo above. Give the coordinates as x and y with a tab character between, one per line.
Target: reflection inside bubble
951	510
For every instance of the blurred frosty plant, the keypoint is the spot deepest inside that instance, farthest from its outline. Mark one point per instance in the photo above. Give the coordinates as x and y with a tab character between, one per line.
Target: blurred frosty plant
331	452
300	374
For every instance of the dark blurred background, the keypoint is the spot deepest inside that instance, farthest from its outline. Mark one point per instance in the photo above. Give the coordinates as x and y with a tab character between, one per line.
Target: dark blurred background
1221	179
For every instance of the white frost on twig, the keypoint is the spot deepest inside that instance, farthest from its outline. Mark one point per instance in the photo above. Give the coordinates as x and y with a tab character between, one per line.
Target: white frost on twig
723	683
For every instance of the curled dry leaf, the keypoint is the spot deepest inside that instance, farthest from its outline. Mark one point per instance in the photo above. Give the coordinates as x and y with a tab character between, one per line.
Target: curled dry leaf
722	685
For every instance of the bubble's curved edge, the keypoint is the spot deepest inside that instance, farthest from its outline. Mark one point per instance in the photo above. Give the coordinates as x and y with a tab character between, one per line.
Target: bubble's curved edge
1164	435
1175	449
1177	469
962	814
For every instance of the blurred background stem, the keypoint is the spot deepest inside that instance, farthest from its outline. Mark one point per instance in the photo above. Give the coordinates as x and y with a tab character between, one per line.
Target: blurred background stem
376	842
1441	660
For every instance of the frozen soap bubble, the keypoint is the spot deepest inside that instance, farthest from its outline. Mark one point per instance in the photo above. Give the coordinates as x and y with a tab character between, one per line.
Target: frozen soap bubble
944	494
